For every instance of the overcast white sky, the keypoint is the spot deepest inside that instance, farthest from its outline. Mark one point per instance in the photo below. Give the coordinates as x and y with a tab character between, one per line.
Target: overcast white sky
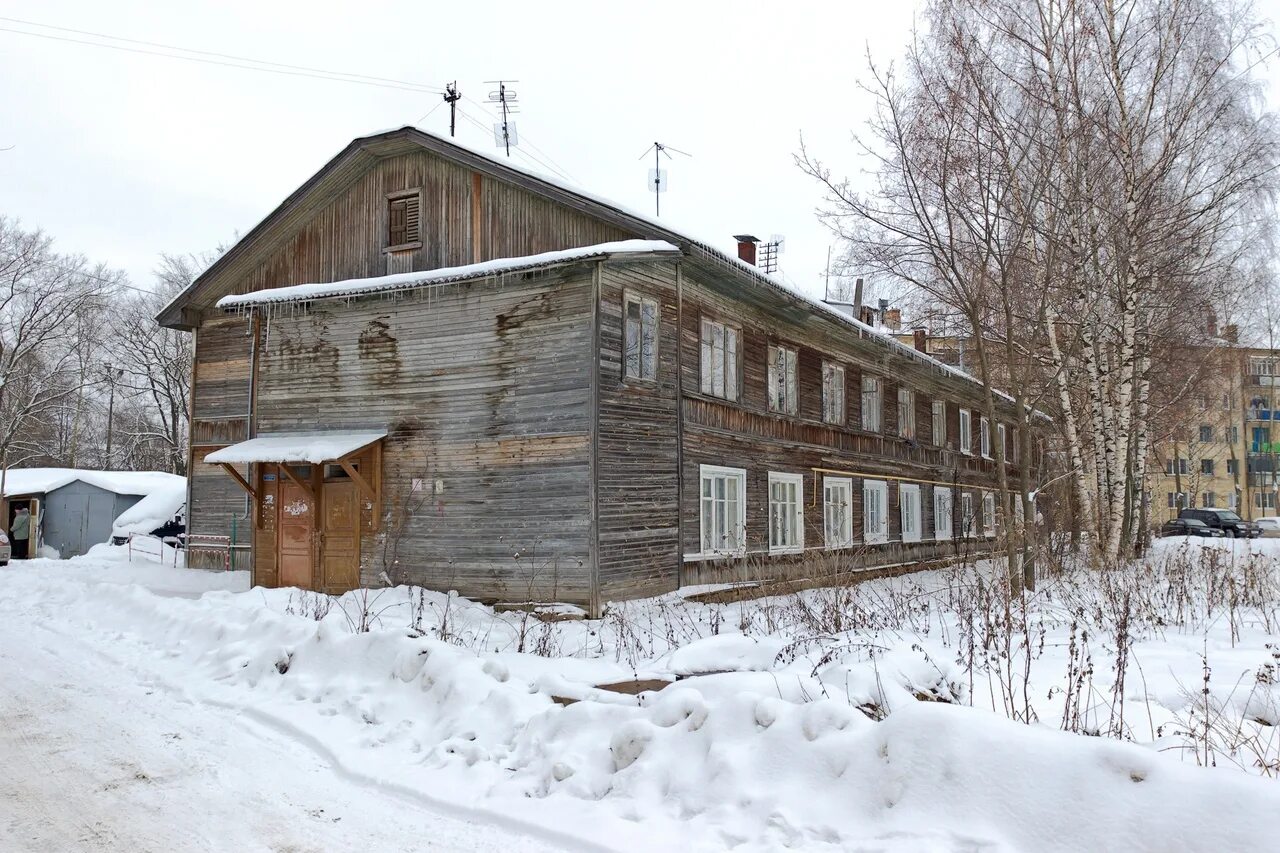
122	156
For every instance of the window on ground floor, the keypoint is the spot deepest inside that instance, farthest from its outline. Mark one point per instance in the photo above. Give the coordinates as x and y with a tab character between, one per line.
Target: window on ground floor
875	523
989	513
724	510
941	513
909	505
837	511
966	514
786	513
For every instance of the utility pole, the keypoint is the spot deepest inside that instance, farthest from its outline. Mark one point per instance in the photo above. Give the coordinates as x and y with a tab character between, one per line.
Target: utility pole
111	374
451	97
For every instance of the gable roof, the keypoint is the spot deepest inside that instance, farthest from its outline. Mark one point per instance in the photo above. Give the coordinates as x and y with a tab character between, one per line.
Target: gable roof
362	152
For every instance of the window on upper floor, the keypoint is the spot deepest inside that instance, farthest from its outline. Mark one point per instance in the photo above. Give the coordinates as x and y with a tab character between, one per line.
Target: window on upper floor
720	360
1206	466
404	219
640	337
1206	432
966	432
783	388
1231	466
939	411
832	392
871	405
984	437
906	412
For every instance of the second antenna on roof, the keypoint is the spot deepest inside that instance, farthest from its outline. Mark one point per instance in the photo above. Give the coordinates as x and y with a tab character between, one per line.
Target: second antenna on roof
658	175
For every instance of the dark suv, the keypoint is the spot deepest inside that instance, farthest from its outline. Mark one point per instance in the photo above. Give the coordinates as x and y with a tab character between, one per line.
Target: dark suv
1225	520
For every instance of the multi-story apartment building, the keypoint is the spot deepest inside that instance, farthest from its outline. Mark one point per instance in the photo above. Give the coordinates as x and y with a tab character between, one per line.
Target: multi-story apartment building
1218	449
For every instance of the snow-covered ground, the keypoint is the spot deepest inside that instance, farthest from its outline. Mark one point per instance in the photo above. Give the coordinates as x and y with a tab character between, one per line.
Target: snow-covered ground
832	719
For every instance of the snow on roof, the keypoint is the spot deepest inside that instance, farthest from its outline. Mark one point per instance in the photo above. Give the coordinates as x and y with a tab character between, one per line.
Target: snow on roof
662	227
404	281
312	447
32	481
154	510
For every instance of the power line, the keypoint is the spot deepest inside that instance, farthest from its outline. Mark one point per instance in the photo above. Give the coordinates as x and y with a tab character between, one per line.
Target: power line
529	144
334	76
525	154
214	53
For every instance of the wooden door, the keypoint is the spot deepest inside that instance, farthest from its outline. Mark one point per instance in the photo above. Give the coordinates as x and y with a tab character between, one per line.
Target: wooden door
296	558
340	543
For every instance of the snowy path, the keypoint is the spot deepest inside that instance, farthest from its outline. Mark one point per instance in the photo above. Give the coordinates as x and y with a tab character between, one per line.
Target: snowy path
112	762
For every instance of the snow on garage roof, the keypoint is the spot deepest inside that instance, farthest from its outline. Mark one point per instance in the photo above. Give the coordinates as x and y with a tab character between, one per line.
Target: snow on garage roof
33	481
153	511
405	281
295	447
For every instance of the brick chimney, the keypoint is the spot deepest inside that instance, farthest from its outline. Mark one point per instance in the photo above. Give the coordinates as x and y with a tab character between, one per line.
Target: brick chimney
747	247
920	340
892	318
1231	333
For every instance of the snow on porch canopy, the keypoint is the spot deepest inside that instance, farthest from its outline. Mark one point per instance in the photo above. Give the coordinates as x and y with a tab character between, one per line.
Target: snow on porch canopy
313	447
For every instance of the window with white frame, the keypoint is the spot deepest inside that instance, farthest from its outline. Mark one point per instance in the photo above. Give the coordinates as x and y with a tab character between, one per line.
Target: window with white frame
906	412
640	337
984	437
871	403
939	423
1016	452
837	511
989	513
966	432
832	392
723	517
1002	440
942	498
909	504
966	514
875	521
786	513
782	380
719	360
1264	500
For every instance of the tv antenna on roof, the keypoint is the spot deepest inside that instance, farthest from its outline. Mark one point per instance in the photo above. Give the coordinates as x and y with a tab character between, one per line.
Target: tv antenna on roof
769	252
504	132
658	175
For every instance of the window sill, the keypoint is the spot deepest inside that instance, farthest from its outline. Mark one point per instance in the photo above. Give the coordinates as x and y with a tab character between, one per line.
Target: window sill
713	556
403	247
790	549
884	541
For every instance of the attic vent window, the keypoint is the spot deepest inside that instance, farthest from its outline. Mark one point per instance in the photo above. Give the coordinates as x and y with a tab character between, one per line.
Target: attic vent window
404	220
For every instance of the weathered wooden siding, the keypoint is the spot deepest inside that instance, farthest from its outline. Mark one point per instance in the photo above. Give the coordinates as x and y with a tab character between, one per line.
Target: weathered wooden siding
345	237
637	444
219	416
484	388
746	435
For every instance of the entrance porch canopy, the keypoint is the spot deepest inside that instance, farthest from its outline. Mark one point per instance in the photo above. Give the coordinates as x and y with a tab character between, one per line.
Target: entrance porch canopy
298	447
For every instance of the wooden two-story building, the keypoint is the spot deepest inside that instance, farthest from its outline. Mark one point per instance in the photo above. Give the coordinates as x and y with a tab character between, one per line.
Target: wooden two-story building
428	366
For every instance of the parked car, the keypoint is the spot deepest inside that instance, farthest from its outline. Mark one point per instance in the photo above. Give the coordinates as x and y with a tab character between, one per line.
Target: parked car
1226	520
6	551
1270	526
1189	527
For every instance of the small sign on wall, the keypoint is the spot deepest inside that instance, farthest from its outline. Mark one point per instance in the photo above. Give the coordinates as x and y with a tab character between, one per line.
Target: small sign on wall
417	484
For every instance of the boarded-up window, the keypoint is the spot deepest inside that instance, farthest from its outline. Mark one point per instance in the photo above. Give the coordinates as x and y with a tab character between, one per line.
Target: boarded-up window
403	220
